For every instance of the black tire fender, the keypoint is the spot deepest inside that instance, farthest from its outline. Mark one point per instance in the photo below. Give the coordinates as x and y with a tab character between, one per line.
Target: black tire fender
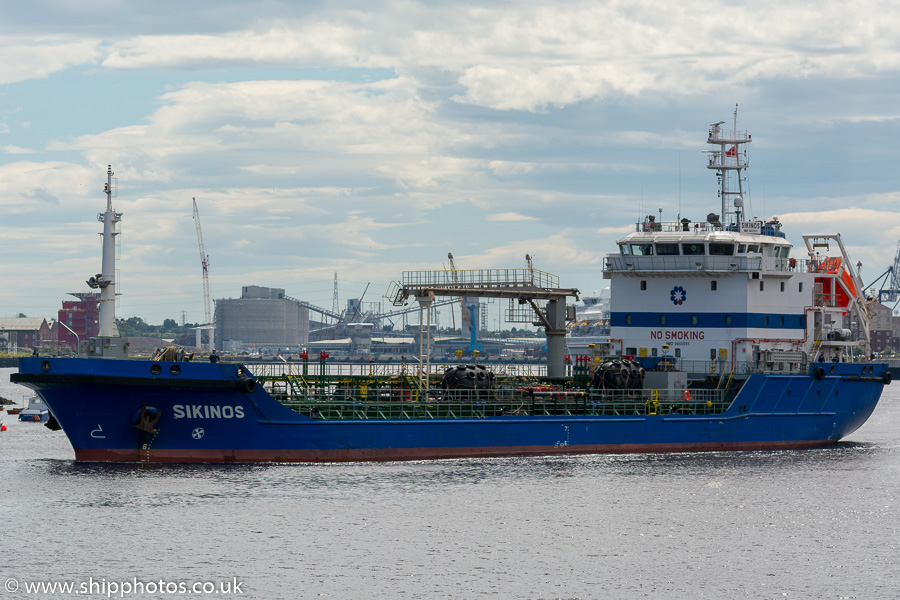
819	373
886	377
247	385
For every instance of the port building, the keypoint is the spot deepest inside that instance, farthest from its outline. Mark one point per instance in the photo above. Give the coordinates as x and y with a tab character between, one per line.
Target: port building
262	317
80	319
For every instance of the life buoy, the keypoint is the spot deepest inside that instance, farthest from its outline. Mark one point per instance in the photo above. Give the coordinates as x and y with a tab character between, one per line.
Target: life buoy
35	417
793	262
687	396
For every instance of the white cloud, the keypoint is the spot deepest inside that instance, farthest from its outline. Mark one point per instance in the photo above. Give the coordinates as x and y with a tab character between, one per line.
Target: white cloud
38	57
375	139
17	150
509	216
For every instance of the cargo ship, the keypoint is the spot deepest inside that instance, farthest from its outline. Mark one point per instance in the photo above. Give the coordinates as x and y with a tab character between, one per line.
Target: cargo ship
719	339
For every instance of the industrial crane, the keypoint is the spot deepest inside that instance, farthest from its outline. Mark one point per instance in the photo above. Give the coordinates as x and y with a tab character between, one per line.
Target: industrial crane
204	262
893	294
890	283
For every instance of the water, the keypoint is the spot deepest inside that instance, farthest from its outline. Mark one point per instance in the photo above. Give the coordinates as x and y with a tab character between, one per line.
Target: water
793	524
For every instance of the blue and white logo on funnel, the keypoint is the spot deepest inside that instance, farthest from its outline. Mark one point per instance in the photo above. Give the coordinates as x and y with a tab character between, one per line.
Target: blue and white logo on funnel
678	295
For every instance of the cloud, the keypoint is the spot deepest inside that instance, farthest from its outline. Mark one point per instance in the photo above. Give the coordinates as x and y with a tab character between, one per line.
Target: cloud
509	216
22	59
16	150
376	138
560	248
314	43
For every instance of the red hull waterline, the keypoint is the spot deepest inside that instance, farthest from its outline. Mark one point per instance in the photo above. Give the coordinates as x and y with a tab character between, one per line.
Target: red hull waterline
399	454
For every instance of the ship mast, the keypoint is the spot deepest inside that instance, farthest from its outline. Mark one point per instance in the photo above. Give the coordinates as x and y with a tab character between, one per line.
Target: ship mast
106	280
730	160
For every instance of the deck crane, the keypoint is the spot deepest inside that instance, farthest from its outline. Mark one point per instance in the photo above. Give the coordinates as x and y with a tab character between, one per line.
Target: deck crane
204	262
468	312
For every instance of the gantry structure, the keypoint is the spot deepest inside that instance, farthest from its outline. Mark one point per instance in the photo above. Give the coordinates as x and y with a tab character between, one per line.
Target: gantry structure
534	297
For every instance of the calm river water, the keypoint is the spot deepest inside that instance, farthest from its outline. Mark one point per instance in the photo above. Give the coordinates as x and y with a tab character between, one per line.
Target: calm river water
794	524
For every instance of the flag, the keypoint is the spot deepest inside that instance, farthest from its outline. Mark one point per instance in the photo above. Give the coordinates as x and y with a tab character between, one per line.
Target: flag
732	151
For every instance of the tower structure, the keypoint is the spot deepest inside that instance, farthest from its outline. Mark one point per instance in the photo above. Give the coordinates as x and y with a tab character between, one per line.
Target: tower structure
730	161
108	343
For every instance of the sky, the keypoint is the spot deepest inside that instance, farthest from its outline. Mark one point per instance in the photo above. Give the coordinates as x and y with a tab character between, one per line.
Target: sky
371	138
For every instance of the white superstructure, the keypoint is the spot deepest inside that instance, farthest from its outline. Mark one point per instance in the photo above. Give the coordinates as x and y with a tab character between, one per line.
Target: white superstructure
726	293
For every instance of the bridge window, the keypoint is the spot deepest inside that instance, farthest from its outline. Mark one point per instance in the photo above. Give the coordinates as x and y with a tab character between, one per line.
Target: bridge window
720	249
642	249
624	249
653	351
753	248
643	285
713	285
667	249
693	249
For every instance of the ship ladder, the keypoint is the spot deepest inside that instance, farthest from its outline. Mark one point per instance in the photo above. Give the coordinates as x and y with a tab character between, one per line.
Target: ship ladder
298	385
653	403
726	380
413	383
815	350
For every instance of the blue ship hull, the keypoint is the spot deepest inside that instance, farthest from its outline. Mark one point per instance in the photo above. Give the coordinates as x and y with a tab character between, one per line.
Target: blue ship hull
123	410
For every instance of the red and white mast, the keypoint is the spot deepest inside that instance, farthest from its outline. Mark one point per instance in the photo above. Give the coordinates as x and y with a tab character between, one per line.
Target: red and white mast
730	160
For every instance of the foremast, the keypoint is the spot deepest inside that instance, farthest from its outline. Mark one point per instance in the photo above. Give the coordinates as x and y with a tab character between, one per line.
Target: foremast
107	282
108	342
730	162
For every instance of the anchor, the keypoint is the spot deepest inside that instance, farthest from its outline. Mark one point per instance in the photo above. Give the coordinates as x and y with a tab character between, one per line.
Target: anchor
147	419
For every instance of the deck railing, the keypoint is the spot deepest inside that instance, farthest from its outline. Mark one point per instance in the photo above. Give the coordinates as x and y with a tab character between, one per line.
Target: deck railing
480	278
398	401
632	263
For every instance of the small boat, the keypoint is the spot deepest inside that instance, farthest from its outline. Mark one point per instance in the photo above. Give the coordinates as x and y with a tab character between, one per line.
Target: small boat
36	411
13	411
